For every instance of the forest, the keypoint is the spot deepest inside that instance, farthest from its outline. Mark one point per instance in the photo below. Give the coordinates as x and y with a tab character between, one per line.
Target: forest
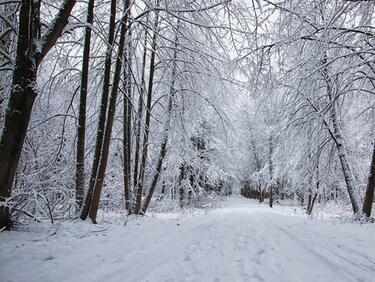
129	112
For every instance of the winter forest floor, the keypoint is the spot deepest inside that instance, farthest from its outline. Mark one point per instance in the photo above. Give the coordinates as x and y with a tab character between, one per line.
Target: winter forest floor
238	241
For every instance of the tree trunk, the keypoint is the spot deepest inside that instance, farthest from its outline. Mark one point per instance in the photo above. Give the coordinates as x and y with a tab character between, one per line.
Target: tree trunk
340	143
127	122
309	172
311	205
181	190
103	111
369	197
163	146
21	101
110	118
309	201
270	155
140	114
81	131
309	211
344	160
29	54
9	13
139	193
261	197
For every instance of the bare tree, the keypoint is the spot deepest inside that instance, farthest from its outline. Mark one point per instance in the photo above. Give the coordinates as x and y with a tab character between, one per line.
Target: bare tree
32	47
81	131
139	191
110	117
103	110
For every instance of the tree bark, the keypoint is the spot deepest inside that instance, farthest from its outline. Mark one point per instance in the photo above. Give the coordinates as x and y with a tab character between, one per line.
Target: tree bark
270	152
127	122
369	196
103	111
309	212
181	190
81	131
30	52
110	118
7	34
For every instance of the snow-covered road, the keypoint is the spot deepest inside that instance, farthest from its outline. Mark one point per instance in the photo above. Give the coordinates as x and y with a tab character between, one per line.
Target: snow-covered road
241	241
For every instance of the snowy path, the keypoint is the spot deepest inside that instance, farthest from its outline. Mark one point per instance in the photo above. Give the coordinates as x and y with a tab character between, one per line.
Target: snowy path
241	241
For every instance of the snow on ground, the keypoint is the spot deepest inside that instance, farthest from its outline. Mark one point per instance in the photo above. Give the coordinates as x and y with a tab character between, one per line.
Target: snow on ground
240	241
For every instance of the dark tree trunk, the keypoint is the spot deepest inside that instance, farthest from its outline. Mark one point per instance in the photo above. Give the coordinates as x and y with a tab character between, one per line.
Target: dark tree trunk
181	190
313	199
139	193
81	131
23	93
271	169
127	122
262	195
9	12
163	151
309	172
271	196
21	101
311	206
110	118
369	197
103	111
309	201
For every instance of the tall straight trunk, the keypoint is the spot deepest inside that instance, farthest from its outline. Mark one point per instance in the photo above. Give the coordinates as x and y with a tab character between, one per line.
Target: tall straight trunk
140	185
81	131
163	146
110	118
31	49
270	155
103	111
369	196
140	115
127	122
309	172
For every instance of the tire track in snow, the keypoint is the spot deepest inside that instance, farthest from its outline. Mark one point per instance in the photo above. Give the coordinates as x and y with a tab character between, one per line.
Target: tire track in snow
333	265
242	241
